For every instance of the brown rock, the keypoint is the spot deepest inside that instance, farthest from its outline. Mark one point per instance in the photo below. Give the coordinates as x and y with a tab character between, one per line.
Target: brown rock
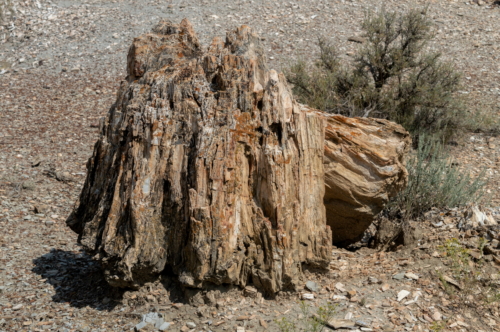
207	166
203	165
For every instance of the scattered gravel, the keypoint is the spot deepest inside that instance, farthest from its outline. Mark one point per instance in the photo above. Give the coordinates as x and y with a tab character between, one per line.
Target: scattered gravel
61	63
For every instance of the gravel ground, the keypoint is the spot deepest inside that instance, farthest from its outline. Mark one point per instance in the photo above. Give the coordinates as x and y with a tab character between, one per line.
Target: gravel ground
60	65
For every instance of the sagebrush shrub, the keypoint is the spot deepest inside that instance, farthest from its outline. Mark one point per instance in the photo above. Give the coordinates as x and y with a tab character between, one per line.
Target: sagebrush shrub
434	182
393	76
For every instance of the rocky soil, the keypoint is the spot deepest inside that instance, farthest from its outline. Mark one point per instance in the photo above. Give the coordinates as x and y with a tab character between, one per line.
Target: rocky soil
60	65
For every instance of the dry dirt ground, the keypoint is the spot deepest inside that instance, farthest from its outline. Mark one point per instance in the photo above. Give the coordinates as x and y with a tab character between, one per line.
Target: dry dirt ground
61	62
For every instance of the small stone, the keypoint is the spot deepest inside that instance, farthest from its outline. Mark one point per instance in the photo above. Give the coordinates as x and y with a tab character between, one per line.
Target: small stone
263	323
411	275
140	326
402	294
242	318
338	298
340	287
240	329
116	36
351	293
17	307
164	326
386	287
307	296
49	222
372	280
399	276
250	291
312	286
191	325
361	323
159	322
341	324
437	316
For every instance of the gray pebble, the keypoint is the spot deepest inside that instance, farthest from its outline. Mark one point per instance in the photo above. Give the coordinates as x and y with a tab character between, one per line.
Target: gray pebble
312	286
164	326
140	326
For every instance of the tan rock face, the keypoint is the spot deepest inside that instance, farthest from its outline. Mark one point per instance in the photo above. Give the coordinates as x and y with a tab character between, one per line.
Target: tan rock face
206	166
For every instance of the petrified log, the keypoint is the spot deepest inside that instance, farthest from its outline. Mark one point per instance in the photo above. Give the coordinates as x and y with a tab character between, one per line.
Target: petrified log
207	166
364	168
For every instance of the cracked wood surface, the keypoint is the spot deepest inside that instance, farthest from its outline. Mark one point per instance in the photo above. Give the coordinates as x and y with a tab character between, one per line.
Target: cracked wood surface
208	167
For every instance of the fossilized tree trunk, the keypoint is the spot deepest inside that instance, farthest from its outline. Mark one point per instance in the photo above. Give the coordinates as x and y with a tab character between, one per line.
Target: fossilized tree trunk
364	167
206	165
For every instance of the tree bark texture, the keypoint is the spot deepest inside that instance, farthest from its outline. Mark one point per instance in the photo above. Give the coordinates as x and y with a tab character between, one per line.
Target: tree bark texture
206	166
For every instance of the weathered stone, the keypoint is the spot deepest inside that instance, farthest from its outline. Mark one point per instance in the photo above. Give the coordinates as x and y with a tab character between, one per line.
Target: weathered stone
312	286
206	165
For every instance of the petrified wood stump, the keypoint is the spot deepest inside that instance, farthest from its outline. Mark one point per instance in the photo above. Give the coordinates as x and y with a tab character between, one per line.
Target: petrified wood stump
206	165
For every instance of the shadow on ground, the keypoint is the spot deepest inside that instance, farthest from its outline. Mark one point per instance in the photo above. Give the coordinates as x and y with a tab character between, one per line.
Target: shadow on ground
77	280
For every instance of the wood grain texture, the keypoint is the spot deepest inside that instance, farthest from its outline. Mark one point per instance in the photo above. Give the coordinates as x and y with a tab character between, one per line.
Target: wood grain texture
208	167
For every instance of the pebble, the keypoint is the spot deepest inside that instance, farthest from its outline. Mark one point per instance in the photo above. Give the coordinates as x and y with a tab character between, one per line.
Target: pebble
340	286
191	325
110	62
307	296
437	316
402	294
312	286
411	275
361	323
399	276
140	326
164	326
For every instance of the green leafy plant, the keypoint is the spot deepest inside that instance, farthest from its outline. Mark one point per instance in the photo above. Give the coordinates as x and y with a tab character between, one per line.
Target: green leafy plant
285	325
393	76
433	181
438	326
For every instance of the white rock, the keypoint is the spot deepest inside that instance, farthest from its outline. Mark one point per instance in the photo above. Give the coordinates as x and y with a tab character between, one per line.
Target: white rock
478	217
338	298
340	287
411	275
402	294
17	307
307	296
